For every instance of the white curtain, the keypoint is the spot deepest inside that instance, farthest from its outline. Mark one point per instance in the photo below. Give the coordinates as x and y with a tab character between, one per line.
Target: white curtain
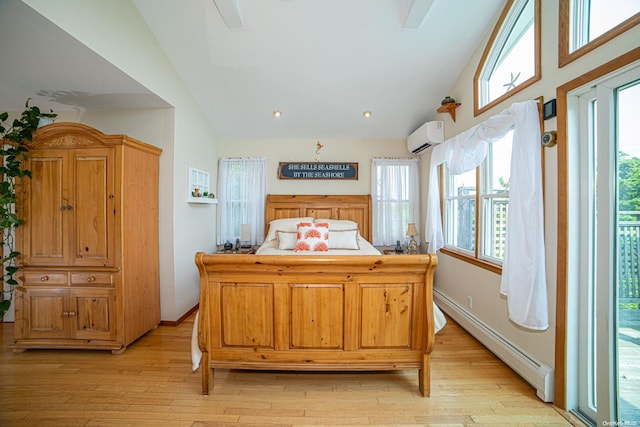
241	198
523	268
395	196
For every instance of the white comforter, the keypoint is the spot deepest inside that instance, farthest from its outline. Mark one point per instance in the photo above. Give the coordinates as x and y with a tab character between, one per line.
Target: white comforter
271	248
366	248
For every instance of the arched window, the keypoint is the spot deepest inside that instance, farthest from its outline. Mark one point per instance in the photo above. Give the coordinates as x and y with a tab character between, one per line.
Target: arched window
511	60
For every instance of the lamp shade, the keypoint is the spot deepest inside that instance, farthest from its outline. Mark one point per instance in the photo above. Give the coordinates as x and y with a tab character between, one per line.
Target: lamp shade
245	232
412	230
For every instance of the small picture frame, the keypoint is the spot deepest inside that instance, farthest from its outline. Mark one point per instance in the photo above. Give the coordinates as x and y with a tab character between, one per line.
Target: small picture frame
199	190
198	183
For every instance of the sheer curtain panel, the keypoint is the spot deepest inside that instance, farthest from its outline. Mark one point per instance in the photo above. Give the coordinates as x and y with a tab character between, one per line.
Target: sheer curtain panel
241	198
395	197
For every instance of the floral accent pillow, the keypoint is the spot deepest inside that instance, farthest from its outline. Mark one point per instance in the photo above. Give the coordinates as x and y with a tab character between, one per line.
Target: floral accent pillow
312	237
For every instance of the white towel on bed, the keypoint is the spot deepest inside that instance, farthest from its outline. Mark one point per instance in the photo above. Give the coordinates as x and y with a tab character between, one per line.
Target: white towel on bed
438	319
196	354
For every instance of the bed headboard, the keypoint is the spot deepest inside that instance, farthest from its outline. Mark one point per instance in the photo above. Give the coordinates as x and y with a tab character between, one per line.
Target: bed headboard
347	206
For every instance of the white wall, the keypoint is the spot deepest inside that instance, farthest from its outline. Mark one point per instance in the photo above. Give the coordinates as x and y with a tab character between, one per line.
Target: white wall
458	279
115	30
304	150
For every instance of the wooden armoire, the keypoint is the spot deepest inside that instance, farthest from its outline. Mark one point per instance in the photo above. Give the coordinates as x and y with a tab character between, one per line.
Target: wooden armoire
89	273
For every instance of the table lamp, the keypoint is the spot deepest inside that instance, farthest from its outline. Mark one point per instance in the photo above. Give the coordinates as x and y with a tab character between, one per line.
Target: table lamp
412	246
245	235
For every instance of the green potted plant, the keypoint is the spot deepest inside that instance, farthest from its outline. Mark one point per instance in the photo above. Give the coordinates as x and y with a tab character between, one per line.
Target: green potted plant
13	137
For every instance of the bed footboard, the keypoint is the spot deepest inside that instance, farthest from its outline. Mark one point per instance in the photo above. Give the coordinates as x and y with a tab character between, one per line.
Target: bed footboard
338	313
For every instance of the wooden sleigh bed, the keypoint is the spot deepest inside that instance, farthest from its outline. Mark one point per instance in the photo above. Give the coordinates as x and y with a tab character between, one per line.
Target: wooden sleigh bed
316	312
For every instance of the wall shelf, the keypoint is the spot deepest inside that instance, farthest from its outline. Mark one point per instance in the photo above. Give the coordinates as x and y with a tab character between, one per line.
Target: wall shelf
449	108
202	200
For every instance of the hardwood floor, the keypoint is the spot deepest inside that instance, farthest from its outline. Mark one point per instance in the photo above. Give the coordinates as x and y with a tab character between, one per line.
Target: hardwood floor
151	384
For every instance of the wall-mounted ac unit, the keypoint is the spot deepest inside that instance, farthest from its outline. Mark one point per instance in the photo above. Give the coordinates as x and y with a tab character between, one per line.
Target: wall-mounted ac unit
425	136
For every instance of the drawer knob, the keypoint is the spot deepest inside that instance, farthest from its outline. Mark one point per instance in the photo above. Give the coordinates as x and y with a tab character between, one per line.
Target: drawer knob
44	278
91	279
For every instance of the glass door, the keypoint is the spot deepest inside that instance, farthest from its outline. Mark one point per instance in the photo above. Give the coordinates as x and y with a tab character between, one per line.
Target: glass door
628	251
607	246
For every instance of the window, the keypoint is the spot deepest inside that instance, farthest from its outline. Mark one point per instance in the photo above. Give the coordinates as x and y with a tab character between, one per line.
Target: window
241	194
495	173
460	211
587	24
463	193
395	196
511	60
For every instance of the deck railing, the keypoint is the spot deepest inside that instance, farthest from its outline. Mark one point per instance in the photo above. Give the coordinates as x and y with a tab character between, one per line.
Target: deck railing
629	259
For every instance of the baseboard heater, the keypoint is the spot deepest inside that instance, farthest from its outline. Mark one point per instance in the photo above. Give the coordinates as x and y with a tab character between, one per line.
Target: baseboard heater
538	374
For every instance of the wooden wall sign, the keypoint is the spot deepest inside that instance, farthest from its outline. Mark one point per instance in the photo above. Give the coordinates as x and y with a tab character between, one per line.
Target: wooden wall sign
317	170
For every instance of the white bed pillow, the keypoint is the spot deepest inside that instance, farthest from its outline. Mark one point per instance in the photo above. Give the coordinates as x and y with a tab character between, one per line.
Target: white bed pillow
339	224
284	224
287	239
343	239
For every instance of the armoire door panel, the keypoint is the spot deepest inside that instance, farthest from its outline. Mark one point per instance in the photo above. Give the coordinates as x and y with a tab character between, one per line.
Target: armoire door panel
92	208
47	311
95	316
46	209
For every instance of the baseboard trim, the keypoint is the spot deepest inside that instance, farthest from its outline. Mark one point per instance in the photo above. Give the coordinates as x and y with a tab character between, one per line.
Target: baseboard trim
181	319
536	373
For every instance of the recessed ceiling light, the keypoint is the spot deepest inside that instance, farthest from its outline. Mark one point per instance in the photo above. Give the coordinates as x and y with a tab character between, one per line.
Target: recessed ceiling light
367	114
277	114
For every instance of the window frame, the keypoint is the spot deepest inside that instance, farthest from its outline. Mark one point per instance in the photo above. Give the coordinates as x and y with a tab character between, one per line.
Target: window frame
487	194
476	257
497	30
564	35
447	180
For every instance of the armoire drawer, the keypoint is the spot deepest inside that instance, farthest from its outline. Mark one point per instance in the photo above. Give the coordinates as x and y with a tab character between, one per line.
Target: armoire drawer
88	278
46	278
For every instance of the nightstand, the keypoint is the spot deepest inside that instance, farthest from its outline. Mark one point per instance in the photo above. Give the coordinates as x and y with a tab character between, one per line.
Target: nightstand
241	251
393	252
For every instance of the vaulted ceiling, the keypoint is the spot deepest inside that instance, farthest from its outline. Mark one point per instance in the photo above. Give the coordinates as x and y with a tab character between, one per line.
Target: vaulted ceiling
321	63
